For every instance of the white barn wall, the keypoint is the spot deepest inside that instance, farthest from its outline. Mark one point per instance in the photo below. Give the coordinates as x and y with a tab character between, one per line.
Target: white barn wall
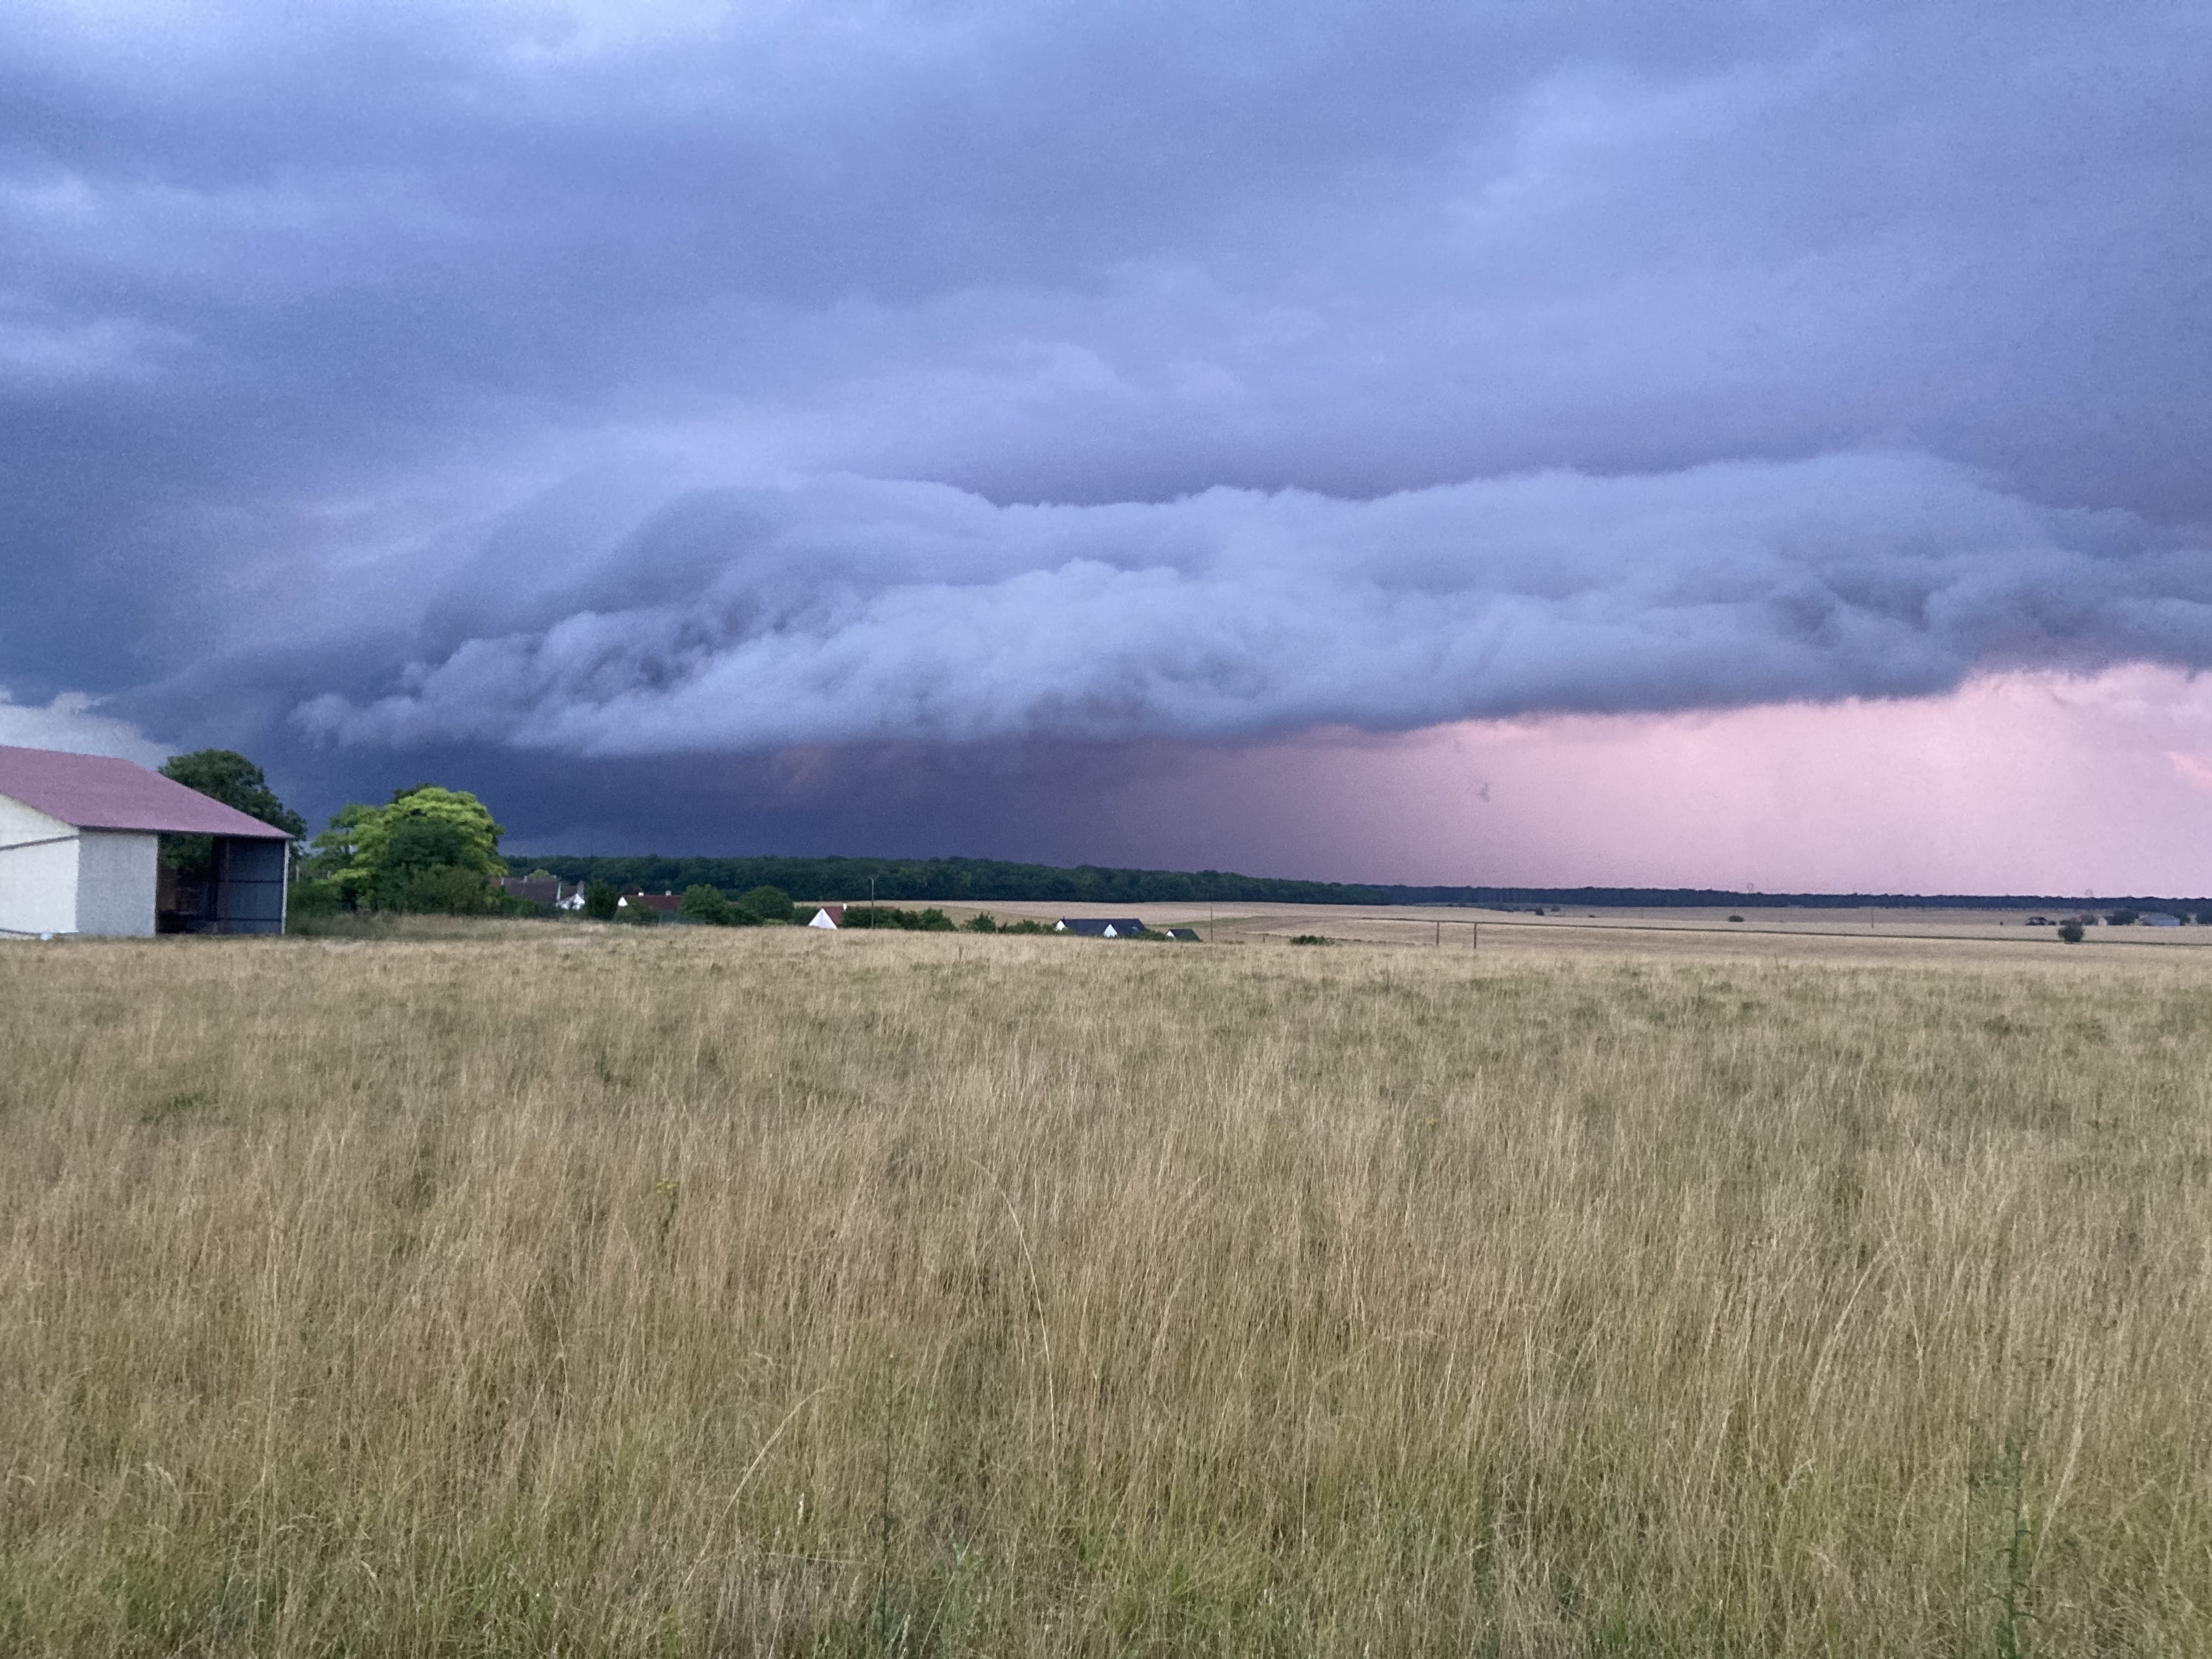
117	874
37	880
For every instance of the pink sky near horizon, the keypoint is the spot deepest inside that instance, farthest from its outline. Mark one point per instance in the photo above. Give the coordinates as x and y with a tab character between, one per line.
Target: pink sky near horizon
2019	782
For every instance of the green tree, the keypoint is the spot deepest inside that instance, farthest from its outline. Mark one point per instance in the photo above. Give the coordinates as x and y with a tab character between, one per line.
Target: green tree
707	904
766	904
388	855
225	775
333	856
2070	931
981	922
601	900
420	842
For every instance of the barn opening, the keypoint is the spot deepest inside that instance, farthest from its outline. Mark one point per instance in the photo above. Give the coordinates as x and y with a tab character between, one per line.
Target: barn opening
220	884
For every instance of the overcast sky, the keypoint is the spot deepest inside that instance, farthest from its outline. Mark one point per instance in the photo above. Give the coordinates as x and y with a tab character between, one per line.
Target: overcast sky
1102	431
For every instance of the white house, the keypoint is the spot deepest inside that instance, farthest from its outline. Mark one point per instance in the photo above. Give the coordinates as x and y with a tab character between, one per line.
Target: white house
828	916
544	890
80	851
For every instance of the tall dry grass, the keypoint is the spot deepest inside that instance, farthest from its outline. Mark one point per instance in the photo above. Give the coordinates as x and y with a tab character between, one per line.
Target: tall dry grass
759	1293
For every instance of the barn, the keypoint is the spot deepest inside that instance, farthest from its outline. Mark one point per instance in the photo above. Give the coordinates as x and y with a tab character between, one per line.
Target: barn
80	852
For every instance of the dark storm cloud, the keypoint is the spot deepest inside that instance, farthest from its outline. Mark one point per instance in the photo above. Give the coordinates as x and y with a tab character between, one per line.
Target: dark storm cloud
849	611
414	375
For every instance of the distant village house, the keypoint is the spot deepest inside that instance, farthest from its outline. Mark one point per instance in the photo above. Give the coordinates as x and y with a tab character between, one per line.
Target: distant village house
546	890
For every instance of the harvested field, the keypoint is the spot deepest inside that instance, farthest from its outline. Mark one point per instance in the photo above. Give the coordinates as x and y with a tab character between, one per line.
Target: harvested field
559	1289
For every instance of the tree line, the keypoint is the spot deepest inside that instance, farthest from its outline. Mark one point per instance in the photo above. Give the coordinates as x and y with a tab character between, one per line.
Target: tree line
434	849
954	880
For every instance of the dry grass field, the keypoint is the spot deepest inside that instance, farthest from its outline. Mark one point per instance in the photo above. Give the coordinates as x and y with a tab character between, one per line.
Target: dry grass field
600	1291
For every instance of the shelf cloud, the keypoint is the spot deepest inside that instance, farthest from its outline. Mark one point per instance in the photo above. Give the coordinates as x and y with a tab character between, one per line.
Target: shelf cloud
850	611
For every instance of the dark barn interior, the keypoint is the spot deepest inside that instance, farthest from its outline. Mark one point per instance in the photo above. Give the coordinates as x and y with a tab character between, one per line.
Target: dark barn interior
221	885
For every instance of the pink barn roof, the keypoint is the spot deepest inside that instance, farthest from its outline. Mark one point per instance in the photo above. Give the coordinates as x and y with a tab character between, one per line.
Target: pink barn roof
92	792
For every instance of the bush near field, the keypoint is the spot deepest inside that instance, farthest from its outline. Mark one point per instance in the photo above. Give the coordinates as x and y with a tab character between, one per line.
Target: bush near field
709	1293
865	916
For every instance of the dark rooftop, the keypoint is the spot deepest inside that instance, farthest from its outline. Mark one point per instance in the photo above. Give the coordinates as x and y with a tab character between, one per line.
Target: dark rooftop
1095	926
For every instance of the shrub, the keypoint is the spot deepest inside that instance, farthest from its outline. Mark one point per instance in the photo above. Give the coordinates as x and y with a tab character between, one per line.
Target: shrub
442	889
638	915
2070	931
309	899
707	904
1735	917
890	915
2123	917
1026	925
1308	939
981	922
601	901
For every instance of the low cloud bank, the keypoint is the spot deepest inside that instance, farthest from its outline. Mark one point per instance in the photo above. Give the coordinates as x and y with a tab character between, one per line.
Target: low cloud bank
73	722
846	609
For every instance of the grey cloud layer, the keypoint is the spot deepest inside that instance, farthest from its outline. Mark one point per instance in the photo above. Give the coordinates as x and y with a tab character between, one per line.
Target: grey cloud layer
849	610
295	302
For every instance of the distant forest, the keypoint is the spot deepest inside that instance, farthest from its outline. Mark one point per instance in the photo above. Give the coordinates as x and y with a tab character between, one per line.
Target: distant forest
980	881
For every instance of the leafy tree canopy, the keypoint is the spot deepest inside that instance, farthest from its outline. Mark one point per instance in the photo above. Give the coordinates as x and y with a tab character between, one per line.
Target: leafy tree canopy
387	854
766	903
332	854
225	775
707	904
